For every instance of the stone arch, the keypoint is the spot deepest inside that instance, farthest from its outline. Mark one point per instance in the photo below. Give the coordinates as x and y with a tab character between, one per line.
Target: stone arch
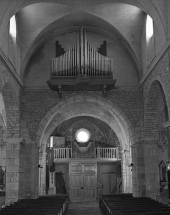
155	92
155	78
155	115
98	107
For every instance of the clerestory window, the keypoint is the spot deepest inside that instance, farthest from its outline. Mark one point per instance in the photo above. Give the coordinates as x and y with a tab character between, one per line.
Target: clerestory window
13	28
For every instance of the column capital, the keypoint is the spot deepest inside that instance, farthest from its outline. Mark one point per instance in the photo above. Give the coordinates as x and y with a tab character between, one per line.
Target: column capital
15	140
166	124
14	143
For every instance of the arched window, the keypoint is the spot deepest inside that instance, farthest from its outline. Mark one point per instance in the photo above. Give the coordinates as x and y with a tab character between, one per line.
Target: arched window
13	28
150	47
149	28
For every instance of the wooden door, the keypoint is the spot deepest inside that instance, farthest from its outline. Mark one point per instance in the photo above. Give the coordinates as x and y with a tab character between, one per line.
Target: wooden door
83	181
109	182
76	181
90	178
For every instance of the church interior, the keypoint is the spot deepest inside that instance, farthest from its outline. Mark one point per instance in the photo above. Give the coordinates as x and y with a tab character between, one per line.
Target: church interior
84	100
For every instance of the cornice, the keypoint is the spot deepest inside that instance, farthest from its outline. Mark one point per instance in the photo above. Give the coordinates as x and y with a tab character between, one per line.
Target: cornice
12	69
154	62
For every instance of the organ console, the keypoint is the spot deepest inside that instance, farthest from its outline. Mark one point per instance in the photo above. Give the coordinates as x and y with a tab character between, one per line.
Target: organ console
81	68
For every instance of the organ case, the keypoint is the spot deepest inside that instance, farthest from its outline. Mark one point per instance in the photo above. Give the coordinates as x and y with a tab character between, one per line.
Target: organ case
81	68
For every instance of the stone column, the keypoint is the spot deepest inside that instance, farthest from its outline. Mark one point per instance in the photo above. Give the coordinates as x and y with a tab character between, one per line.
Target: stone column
28	170
126	172
21	169
167	127
151	168
13	171
138	170
42	171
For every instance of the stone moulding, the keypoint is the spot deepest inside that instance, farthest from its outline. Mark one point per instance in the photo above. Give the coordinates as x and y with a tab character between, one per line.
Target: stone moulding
12	69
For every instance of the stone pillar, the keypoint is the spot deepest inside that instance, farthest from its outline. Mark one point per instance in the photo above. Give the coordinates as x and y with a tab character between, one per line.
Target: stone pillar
126	172
151	168
138	170
3	165
167	127
42	171
28	170
36	173
13	171
21	169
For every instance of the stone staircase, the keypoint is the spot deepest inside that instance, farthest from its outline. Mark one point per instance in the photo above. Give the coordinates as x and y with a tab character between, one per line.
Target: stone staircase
126	204
45	205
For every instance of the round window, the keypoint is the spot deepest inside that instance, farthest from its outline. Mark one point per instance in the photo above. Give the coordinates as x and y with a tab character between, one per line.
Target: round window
82	135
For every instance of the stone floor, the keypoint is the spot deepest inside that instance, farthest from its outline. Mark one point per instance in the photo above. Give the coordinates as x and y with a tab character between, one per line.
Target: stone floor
83	208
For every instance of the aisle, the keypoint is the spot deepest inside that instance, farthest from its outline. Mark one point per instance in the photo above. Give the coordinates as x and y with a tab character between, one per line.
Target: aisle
84	208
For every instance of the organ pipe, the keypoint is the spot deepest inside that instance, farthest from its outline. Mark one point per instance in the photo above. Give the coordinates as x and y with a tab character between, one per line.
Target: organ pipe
81	58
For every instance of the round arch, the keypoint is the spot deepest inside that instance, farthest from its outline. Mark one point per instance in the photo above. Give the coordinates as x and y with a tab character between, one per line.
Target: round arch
97	107
155	116
150	83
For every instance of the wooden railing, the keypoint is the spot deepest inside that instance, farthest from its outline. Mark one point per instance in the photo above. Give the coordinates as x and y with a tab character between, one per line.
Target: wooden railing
81	59
62	153
107	153
100	153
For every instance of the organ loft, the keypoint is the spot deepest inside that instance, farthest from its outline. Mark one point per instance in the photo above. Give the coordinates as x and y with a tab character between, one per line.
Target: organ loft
84	107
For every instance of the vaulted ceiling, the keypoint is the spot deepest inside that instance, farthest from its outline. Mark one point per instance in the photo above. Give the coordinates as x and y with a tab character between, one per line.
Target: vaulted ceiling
40	20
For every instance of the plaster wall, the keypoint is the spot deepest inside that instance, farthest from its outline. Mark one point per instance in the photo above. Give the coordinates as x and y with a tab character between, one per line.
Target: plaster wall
11	49
150	50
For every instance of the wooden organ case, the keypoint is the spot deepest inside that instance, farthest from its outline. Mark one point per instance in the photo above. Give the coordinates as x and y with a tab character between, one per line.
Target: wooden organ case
81	68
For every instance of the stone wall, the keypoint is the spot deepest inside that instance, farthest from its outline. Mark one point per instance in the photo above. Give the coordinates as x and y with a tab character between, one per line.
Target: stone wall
37	103
21	168
21	160
160	72
11	94
159	78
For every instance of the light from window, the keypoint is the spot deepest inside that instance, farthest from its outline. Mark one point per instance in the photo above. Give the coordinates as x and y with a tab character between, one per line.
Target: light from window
82	135
13	28
149	28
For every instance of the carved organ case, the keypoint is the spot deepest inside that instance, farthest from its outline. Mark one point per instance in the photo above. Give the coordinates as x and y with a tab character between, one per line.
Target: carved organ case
81	68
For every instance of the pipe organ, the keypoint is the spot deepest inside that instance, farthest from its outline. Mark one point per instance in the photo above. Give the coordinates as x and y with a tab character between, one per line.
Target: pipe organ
81	68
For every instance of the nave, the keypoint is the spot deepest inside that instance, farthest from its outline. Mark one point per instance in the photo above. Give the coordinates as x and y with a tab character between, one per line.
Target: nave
112	204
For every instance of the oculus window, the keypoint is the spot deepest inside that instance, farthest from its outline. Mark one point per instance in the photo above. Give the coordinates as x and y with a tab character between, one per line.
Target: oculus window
82	135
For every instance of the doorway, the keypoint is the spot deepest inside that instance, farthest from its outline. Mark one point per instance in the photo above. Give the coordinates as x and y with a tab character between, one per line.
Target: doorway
83	177
108	178
60	183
